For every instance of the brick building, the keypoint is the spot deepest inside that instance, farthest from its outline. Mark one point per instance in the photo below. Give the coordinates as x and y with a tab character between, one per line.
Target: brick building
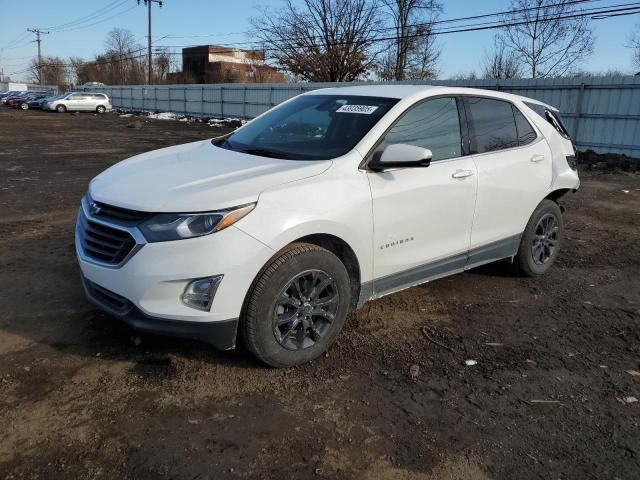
214	64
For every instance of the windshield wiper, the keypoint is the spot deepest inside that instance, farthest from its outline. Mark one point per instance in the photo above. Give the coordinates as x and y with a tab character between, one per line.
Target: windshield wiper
263	152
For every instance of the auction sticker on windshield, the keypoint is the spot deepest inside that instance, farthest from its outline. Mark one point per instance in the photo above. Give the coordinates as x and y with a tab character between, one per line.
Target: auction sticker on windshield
364	109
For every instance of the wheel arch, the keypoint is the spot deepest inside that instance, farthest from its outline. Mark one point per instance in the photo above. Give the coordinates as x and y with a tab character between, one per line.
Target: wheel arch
344	252
336	245
555	195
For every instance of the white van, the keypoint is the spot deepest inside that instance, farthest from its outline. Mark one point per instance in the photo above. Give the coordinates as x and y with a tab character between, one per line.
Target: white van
80	102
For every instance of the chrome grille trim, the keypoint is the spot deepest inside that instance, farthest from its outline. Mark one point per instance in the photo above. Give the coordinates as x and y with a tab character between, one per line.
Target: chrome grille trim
104	243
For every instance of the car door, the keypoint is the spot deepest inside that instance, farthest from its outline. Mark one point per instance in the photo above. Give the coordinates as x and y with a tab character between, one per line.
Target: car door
92	101
74	101
86	102
513	162
422	216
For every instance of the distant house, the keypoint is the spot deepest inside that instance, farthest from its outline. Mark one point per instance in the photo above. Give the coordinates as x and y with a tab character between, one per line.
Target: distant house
215	64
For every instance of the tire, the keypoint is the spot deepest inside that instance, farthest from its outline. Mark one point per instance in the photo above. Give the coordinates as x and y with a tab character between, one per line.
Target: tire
274	317
24	106
100	109
540	242
61	109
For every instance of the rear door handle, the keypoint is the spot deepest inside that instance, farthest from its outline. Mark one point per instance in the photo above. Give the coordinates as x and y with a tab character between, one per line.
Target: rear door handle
462	174
537	158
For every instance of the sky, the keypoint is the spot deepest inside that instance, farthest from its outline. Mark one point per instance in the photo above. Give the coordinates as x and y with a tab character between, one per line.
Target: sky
223	21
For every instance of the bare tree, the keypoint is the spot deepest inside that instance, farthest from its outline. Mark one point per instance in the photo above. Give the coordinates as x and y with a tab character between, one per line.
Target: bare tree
548	44
464	76
320	40
51	71
612	72
501	62
634	44
162	64
127	59
413	52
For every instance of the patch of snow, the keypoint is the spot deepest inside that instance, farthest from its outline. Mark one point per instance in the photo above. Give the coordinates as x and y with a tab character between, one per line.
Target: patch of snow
126	115
163	116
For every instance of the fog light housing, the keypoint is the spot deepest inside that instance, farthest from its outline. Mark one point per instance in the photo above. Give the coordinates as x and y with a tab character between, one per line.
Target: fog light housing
199	293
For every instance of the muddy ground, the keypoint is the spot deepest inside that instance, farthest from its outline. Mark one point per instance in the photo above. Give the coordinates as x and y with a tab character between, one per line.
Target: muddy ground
82	396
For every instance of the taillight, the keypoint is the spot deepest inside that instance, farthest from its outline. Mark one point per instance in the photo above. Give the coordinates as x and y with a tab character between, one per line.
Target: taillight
572	161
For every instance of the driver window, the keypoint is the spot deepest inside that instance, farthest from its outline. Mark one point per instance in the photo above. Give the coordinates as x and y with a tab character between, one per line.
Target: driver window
433	124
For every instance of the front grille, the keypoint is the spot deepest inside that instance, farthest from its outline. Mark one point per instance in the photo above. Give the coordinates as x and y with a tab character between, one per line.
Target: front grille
110	301
120	216
103	243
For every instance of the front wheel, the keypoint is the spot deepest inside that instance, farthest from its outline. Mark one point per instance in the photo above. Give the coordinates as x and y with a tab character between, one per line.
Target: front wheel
61	109
540	242
24	106
297	306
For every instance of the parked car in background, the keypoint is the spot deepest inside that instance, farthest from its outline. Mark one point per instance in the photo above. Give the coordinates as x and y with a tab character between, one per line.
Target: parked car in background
38	103
329	200
5	96
22	102
93	84
13	100
80	102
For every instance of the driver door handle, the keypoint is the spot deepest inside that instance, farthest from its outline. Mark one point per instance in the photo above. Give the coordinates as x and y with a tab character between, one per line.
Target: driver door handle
462	174
537	158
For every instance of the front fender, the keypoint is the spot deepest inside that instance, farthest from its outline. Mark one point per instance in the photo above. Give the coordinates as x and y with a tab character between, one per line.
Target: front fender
334	204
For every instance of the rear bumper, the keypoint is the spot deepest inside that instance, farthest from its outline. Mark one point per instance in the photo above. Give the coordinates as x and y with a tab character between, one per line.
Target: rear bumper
220	334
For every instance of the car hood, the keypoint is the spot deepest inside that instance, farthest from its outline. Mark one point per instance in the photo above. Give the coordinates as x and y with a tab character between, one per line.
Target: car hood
195	177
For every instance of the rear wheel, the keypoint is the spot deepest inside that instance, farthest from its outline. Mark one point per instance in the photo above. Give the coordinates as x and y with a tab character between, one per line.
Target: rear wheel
61	109
24	106
540	242
101	109
297	306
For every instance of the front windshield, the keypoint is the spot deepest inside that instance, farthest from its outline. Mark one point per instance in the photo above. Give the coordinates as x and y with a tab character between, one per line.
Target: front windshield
310	127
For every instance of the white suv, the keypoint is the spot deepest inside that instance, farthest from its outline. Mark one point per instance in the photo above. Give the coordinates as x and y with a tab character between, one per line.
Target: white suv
333	198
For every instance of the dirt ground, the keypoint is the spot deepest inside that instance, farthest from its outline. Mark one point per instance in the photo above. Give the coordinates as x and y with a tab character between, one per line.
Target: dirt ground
83	397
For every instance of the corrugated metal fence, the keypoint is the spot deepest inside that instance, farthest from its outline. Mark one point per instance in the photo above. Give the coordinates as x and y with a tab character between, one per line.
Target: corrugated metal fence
601	113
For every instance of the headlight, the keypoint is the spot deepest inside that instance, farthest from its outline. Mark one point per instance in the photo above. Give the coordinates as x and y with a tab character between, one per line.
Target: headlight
176	226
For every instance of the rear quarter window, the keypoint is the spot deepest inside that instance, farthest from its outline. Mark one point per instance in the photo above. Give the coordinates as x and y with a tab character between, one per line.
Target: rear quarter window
550	116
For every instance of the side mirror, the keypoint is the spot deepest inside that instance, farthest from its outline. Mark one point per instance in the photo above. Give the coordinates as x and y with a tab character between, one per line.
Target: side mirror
401	155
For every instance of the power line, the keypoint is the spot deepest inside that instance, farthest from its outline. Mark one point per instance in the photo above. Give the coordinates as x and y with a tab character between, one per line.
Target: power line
435	22
81	27
16	40
91	16
618	10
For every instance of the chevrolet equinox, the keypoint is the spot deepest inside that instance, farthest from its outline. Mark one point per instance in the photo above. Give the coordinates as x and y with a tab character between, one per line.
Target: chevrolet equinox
275	232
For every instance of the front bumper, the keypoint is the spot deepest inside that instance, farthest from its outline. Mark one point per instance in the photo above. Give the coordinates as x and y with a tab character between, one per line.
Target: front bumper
145	289
221	334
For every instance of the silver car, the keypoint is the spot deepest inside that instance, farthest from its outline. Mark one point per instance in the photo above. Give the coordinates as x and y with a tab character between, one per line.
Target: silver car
80	102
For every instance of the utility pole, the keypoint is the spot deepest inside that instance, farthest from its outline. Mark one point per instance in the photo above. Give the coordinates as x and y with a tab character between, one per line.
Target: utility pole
38	32
149	60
